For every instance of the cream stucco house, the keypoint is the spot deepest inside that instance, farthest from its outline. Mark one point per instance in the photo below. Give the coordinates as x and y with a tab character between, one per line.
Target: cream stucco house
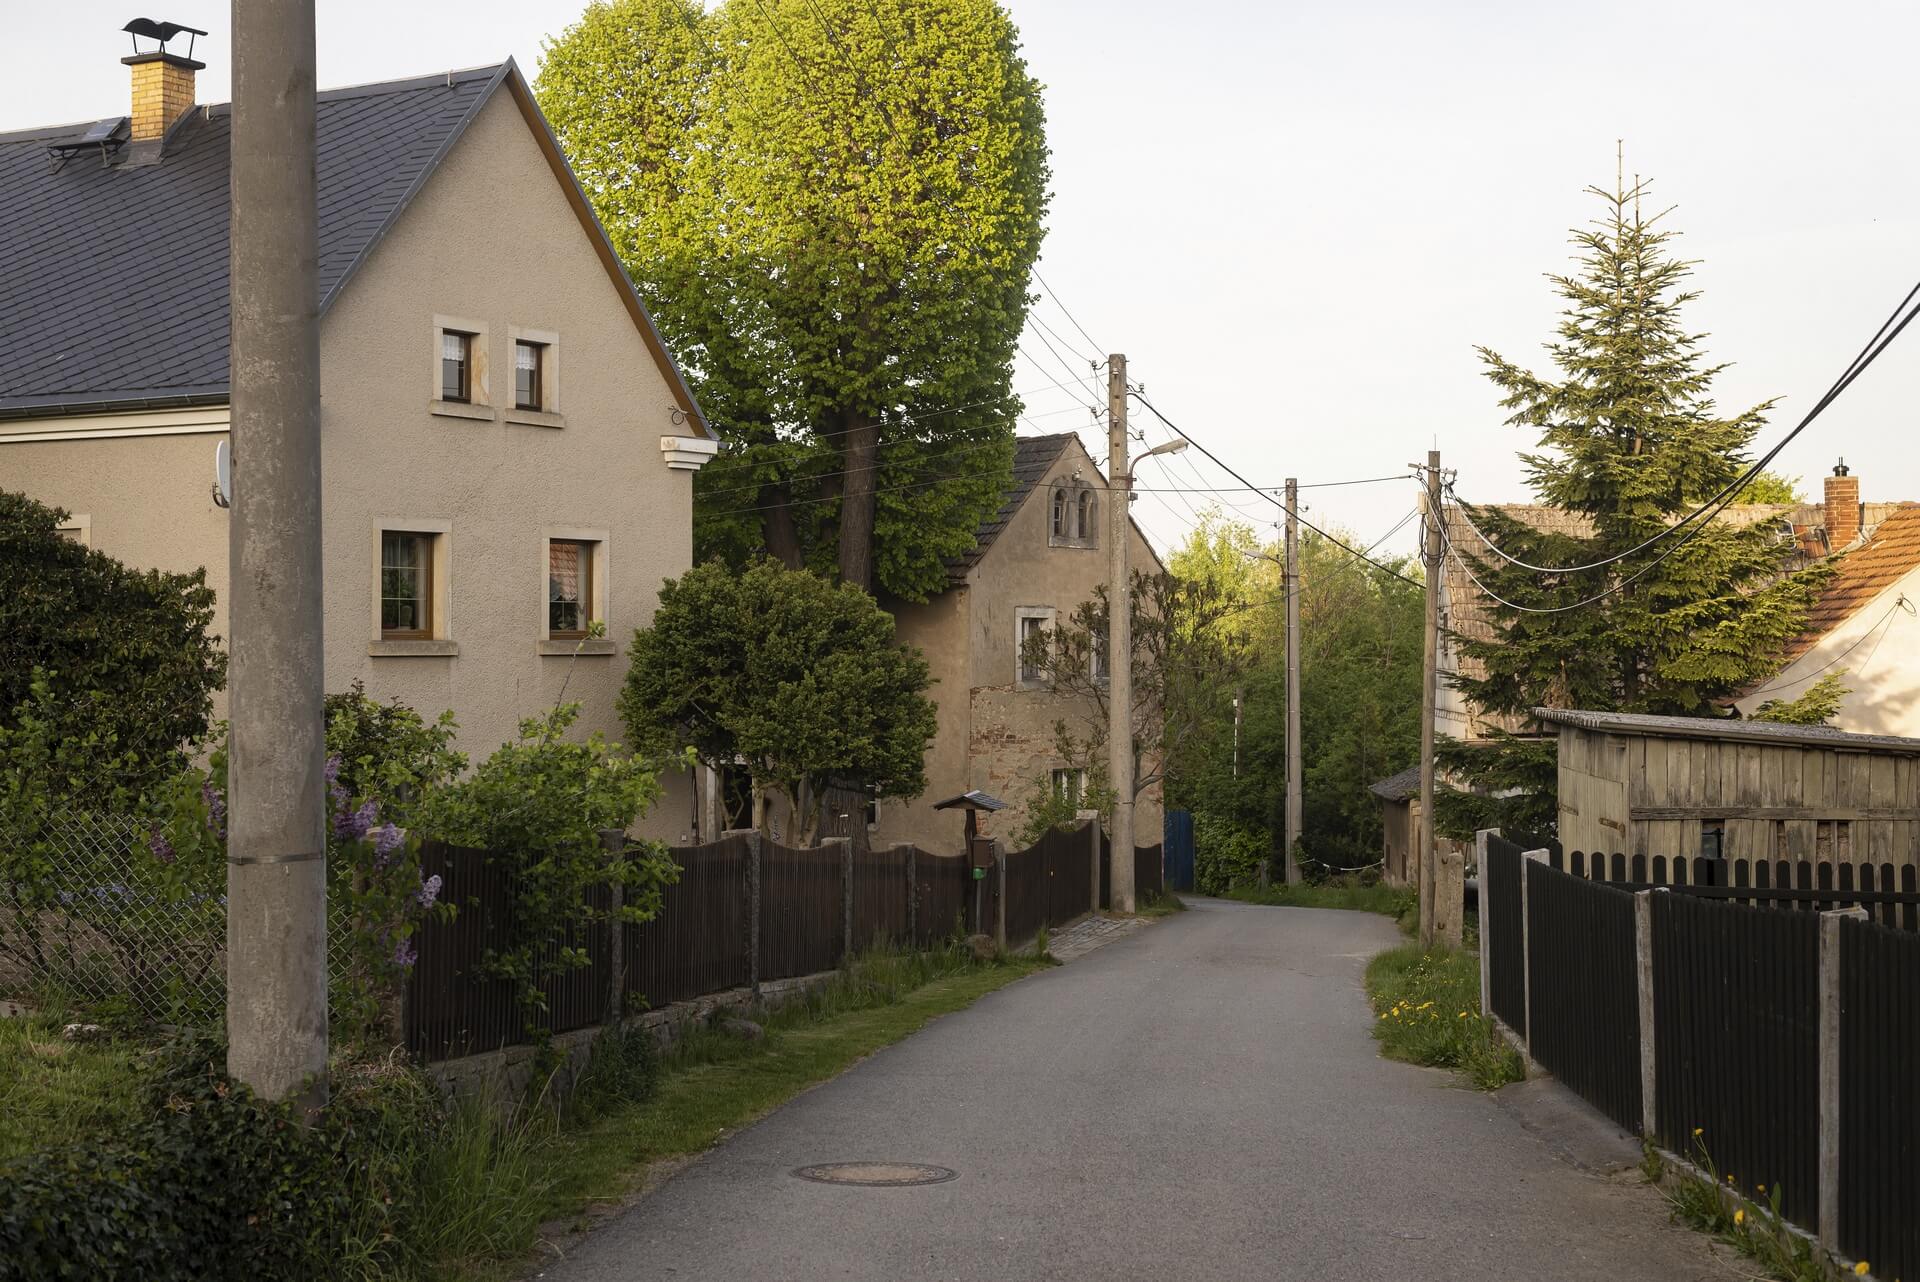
1038	558
508	448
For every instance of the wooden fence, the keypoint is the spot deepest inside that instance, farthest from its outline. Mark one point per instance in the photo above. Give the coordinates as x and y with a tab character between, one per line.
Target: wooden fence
744	910
1727	1022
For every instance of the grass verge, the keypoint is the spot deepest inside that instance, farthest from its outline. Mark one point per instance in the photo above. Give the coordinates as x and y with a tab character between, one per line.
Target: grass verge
1427	1008
53	1087
1160	903
1340	892
712	1081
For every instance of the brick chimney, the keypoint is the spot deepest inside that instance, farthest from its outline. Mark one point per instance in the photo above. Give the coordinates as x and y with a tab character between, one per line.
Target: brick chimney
162	90
1843	508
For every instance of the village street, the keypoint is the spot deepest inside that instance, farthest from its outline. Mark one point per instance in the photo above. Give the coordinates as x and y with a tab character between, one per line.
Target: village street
1199	1100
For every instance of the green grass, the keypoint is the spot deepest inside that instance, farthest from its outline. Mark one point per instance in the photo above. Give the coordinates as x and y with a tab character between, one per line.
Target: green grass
712	1082
1160	903
53	1089
1342	892
1750	1224
1427	1011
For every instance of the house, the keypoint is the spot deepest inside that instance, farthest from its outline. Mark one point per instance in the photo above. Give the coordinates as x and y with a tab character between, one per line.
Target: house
1036	559
507	446
1835	525
1400	826
1863	629
1712	788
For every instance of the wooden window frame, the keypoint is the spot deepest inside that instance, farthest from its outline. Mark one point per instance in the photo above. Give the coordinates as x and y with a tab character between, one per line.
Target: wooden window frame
539	402
1025	678
466	338
427	541
587	548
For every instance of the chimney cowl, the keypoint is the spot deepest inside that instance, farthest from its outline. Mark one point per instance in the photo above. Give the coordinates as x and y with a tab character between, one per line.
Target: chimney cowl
1840	468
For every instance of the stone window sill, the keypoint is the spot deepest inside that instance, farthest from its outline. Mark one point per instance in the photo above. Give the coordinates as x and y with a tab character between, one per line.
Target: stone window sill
586	649
432	649
536	418
460	409
1062	541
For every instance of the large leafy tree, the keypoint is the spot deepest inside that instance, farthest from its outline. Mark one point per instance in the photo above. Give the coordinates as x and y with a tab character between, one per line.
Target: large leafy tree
119	657
1630	441
798	678
831	207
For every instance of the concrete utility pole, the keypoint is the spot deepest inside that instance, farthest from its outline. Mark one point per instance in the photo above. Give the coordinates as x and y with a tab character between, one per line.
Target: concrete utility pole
1119	638
276	845
1293	682
1429	691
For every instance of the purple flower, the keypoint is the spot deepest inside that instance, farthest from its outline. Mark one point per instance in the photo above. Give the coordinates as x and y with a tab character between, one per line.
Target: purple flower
403	954
216	802
428	892
352	825
386	840
162	848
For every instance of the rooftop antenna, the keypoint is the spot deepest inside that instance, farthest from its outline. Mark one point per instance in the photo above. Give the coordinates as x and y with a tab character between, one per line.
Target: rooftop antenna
160	32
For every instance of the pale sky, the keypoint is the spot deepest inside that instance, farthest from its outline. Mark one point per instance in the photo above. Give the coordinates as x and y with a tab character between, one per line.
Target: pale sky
1297	221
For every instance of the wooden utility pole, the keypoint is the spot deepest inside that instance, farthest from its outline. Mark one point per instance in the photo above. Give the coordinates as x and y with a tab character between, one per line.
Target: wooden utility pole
276	804
1119	638
1429	691
1293	682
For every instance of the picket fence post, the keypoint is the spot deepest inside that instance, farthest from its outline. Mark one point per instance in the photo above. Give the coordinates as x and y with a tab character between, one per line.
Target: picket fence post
1526	959
614	840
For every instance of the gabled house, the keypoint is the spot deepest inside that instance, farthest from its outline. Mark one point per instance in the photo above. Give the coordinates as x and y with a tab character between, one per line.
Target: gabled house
507	446
1035	561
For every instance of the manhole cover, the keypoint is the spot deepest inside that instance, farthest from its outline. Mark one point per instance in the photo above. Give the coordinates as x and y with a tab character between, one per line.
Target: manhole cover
875	1174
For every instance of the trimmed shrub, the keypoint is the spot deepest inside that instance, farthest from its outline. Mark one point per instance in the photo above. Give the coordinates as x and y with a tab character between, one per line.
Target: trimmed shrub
1226	854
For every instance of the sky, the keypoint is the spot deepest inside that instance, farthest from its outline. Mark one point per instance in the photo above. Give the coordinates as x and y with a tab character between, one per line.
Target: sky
1299	221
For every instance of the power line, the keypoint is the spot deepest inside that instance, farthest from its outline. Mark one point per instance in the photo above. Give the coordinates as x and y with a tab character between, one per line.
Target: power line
1901	604
1061	304
1864	358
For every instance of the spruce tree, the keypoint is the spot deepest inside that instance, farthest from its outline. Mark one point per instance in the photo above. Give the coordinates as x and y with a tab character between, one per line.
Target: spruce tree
1630	442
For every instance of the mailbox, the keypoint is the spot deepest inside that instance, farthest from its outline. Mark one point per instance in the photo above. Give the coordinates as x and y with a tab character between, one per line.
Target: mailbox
983	853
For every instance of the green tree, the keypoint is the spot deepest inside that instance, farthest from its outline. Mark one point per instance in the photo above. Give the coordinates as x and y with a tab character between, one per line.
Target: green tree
125	653
1629	442
1817	705
799	678
831	207
1770	487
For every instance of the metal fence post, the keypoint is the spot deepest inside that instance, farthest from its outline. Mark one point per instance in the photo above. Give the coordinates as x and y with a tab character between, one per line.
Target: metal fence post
1480	868
1526	959
1643	963
614	840
1830	1072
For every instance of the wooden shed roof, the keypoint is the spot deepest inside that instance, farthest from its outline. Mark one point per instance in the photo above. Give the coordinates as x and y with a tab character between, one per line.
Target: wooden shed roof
1729	730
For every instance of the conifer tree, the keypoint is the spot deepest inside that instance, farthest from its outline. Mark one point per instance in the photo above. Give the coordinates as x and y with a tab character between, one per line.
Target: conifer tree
1630	442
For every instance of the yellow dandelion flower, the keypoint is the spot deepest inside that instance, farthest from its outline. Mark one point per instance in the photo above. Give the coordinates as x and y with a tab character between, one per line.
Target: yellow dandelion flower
1740	1217
1729	1179
1861	1268
1698	1132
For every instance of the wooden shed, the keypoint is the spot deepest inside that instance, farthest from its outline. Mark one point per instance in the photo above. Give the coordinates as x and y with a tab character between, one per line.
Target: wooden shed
1399	810
1692	787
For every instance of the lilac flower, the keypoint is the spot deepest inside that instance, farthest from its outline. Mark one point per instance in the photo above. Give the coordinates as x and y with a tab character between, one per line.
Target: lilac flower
352	825
216	802
162	848
428	892
336	792
403	953
386	840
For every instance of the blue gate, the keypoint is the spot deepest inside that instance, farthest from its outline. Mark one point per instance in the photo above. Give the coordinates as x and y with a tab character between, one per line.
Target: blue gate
1177	837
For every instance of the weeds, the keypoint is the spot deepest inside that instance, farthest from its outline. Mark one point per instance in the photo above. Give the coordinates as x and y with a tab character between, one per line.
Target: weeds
1160	903
1712	1203
1427	1007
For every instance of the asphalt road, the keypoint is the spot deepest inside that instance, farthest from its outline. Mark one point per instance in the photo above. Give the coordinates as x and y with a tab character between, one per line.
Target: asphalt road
1200	1100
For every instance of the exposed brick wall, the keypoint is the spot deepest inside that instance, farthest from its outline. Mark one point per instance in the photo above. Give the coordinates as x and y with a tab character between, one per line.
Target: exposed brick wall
162	90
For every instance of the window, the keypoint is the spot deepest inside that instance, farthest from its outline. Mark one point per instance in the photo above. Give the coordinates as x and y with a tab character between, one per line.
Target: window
1097	657
1032	628
1074	514
1713	838
1083	525
873	812
529	361
456	365
406	585
1070	785
1060	530
569	588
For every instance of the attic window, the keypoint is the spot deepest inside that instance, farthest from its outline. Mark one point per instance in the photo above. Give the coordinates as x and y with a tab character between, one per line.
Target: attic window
1075	513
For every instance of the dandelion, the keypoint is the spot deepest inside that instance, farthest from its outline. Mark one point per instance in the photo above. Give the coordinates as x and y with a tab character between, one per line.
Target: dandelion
1861	1268
1698	1132
1729	1179
1740	1216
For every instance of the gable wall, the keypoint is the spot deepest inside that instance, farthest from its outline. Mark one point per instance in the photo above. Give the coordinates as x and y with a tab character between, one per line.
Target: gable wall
1878	651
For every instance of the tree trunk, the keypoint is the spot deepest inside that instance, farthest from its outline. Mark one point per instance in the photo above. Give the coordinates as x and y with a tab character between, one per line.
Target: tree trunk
859	456
776	524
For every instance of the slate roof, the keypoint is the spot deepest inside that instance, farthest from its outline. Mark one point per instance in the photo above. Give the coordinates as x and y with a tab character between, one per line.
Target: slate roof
1862	575
1397	787
1033	456
1728	728
113	279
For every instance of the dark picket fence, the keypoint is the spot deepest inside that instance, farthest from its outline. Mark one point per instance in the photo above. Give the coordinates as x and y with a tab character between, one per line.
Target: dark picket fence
1583	1007
1748	988
1879	1105
1888	894
809	908
1500	935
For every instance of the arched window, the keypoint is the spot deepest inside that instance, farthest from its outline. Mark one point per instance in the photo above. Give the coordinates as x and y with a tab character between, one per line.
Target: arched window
1060	530
1086	527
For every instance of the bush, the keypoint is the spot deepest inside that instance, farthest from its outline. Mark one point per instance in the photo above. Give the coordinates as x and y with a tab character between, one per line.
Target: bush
1226	854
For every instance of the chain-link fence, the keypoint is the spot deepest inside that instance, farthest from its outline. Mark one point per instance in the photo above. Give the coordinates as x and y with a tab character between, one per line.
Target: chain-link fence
86	909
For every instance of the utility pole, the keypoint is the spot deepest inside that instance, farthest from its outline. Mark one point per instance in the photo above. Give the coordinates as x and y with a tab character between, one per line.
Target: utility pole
1119	637
276	846
1293	682
1429	691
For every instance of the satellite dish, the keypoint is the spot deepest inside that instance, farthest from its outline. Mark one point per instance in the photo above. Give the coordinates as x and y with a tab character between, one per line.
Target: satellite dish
223	474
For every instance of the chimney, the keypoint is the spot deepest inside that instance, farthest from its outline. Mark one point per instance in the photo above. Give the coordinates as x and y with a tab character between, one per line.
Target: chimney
162	81
1842	508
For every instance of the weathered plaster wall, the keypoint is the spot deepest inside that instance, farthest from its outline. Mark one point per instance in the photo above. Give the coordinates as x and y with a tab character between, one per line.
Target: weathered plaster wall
1878	651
